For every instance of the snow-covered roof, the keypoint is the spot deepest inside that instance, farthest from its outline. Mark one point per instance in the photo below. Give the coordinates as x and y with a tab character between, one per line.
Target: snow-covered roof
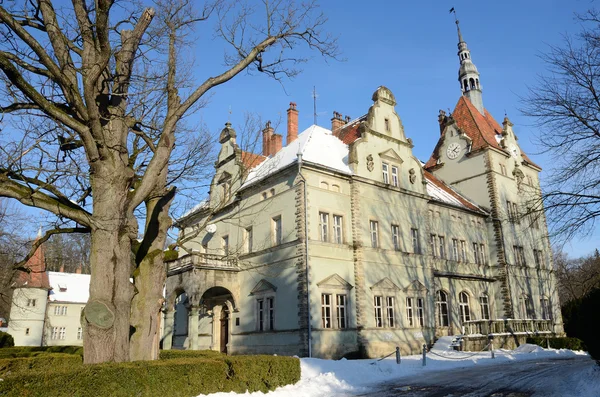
69	287
316	144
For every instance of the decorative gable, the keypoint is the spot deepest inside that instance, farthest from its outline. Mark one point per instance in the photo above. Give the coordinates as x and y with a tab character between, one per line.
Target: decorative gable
385	285
262	287
334	282
416	287
391	155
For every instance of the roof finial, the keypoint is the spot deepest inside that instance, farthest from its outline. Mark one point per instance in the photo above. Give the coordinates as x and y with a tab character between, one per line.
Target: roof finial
453	11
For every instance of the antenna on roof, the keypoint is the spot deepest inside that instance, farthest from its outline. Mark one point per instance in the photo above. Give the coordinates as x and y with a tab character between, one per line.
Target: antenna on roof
314	94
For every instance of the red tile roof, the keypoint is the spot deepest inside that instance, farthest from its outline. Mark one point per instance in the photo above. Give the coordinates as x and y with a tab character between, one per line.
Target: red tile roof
37	277
440	184
349	132
251	160
482	129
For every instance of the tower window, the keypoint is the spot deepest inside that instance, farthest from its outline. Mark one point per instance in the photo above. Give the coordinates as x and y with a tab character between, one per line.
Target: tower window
387	125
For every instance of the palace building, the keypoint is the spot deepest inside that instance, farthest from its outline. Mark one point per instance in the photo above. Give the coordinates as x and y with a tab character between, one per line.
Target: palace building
342	242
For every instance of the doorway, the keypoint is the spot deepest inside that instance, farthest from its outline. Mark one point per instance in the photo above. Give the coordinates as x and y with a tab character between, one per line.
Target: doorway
224	329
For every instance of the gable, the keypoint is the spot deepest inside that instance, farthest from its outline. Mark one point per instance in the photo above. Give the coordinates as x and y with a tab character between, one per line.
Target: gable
334	282
416	286
263	286
390	154
385	284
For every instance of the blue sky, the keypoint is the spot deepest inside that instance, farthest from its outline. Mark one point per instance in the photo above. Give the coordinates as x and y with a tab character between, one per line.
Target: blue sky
410	47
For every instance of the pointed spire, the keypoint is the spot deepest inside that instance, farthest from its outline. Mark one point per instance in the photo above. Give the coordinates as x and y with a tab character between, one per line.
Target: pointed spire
468	75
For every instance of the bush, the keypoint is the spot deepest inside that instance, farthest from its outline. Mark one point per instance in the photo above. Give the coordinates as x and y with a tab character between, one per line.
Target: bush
6	340
34	351
177	377
582	321
170	354
558	343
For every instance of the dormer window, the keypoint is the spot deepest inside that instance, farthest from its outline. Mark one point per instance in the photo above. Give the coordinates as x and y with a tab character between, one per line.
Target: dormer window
62	287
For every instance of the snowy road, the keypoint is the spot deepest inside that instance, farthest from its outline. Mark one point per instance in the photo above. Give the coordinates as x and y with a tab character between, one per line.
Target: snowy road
557	377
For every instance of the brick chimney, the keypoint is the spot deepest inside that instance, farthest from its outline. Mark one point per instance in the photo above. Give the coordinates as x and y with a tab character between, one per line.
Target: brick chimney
292	124
62	268
276	143
267	134
336	122
78	270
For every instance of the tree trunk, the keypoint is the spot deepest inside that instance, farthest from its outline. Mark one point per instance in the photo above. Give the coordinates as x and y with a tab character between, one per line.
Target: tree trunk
149	279
106	315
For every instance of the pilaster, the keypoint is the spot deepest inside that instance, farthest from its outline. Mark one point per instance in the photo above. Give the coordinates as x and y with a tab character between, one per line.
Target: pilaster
357	255
167	341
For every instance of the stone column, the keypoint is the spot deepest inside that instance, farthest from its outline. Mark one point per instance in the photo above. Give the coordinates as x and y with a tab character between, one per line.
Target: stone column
216	328
168	335
193	327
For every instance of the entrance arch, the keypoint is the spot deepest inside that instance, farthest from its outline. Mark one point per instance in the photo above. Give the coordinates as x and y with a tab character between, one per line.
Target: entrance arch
181	321
219	301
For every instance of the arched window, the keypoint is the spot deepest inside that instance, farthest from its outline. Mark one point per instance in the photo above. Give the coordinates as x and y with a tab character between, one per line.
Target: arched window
477	82
324	185
472	81
485	307
441	303
466	84
465	311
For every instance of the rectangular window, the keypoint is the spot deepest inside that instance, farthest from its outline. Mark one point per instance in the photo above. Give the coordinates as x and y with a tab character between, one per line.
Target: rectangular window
374	227
538	256
277	232
62	333
442	245
433	245
502	169
341	311
546	314
225	245
31	302
326	310
420	313
79	333
63	311
260	306
476	252
396	237
463	251
389	310
271	312
519	255
387	125
57	310
384	170
54	334
414	233
249	239
513	211
395	176
324	226
410	321
378	311
26	331
455	250
482	254
338	237
485	307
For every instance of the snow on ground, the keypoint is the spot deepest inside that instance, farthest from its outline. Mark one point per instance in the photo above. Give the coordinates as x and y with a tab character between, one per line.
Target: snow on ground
325	378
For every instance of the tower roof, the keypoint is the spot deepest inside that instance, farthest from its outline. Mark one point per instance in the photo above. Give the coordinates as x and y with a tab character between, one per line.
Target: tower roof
482	129
36	276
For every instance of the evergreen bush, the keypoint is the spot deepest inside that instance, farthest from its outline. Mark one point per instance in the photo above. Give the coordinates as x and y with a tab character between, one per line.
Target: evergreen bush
558	343
6	340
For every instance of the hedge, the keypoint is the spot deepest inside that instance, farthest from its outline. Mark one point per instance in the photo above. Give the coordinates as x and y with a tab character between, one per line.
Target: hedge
558	343
177	377
6	340
170	354
34	351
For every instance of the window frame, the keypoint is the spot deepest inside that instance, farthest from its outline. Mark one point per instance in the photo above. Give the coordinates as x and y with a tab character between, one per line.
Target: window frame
385	169
338	229
324	226
414	235
248	239
464	307
396	237
276	230
395	181
441	301
484	305
374	233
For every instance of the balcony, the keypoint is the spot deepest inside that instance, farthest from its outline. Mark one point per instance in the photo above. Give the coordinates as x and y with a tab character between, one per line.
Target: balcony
507	327
202	261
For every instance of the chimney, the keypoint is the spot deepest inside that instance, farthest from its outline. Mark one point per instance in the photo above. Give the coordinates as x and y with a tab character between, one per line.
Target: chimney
336	122
276	143
267	134
347	119
292	124
78	270
62	268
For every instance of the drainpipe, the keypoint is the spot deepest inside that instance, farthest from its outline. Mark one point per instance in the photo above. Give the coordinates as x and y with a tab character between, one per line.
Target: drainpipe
306	254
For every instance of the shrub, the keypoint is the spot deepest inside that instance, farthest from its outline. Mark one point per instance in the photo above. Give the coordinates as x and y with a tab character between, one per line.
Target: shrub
582	321
6	340
170	354
558	343
177	377
34	351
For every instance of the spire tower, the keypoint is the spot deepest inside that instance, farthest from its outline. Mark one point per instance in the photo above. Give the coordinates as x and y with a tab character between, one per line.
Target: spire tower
468	75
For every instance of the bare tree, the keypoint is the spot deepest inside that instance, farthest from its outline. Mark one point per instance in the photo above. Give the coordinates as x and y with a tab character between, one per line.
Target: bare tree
566	105
576	277
94	101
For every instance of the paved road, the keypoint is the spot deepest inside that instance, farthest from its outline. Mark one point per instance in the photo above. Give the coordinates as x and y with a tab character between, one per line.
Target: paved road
547	378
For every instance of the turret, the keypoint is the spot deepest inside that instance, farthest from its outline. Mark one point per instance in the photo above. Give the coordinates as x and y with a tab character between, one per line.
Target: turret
468	75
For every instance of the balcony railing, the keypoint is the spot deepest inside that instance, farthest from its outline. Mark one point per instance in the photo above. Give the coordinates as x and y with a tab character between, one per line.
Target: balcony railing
508	326
207	261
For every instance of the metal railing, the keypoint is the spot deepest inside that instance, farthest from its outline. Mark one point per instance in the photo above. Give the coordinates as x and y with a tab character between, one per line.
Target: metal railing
507	326
200	260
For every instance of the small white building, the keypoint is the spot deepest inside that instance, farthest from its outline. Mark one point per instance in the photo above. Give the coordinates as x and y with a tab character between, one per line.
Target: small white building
46	306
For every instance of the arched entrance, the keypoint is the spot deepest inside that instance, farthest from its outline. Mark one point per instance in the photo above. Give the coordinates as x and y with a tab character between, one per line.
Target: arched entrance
219	301
180	324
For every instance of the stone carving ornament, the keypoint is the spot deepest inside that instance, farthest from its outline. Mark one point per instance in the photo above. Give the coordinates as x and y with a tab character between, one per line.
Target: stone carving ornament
412	177
370	164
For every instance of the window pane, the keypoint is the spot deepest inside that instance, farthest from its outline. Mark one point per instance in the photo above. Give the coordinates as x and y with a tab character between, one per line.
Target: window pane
378	313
